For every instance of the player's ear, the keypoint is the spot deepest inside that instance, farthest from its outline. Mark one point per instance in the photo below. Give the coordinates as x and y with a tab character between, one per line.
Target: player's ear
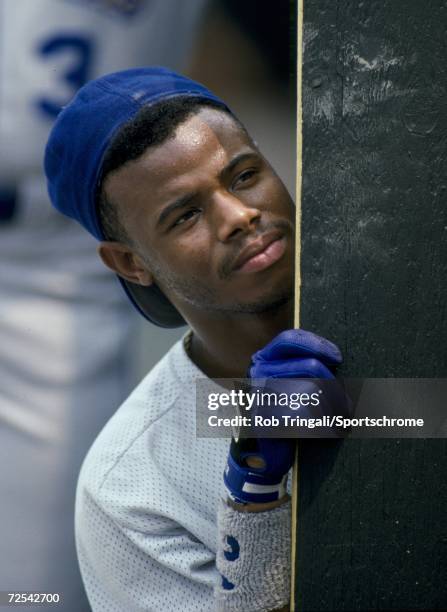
125	262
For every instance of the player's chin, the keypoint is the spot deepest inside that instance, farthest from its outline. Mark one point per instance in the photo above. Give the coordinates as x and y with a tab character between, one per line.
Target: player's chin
265	297
265	304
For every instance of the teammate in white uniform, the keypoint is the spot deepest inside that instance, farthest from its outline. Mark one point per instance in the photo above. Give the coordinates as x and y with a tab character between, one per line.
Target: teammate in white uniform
64	326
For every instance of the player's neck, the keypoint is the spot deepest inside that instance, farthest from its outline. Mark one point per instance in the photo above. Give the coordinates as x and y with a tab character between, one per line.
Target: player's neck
224	349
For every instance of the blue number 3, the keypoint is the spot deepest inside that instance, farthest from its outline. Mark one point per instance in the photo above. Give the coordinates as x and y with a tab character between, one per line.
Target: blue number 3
77	73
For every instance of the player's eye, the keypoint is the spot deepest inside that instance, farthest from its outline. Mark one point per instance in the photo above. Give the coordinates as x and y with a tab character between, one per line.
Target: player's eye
186	216
245	177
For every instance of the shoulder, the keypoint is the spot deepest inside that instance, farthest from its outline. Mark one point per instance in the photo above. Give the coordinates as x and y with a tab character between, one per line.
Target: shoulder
150	402
149	457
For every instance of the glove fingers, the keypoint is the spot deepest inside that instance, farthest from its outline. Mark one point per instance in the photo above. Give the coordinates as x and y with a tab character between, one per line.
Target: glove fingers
291	368
300	343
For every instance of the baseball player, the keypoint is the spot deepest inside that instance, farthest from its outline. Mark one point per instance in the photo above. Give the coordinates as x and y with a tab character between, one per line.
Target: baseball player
64	326
199	228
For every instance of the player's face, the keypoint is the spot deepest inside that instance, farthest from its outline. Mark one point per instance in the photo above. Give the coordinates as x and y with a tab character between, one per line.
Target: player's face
210	218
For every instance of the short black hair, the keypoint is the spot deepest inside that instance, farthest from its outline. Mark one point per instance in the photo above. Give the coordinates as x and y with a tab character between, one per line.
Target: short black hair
151	126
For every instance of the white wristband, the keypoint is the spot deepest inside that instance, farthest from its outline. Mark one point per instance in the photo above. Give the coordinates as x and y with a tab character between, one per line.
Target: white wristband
253	559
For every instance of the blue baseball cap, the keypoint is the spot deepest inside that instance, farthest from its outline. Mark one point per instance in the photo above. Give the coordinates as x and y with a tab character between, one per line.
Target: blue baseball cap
79	140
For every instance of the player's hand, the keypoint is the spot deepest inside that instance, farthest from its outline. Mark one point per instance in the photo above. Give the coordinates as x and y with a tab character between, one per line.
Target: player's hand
257	468
296	353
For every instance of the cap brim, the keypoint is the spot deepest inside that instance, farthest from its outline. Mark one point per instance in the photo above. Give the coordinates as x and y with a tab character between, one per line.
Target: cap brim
153	304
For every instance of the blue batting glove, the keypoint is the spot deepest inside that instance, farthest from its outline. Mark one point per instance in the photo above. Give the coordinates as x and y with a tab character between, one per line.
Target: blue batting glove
296	353
293	353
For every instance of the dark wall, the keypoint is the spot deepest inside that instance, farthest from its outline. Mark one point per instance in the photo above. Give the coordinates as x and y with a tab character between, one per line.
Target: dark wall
375	180
372	528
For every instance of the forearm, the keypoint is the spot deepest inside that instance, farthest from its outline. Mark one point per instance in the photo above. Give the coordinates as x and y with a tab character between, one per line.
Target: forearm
262	508
253	556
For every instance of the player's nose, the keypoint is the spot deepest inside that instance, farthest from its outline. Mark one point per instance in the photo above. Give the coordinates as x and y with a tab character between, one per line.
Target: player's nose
233	216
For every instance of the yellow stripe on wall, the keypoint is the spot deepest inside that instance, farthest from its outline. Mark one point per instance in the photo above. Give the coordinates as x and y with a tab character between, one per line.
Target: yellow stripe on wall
298	195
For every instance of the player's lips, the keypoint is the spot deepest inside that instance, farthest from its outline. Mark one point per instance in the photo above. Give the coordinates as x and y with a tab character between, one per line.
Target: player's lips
261	253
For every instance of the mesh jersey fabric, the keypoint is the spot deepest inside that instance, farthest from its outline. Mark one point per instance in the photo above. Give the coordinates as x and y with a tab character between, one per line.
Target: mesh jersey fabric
147	500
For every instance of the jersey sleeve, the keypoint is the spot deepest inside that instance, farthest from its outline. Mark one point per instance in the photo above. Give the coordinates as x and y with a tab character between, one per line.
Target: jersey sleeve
159	567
